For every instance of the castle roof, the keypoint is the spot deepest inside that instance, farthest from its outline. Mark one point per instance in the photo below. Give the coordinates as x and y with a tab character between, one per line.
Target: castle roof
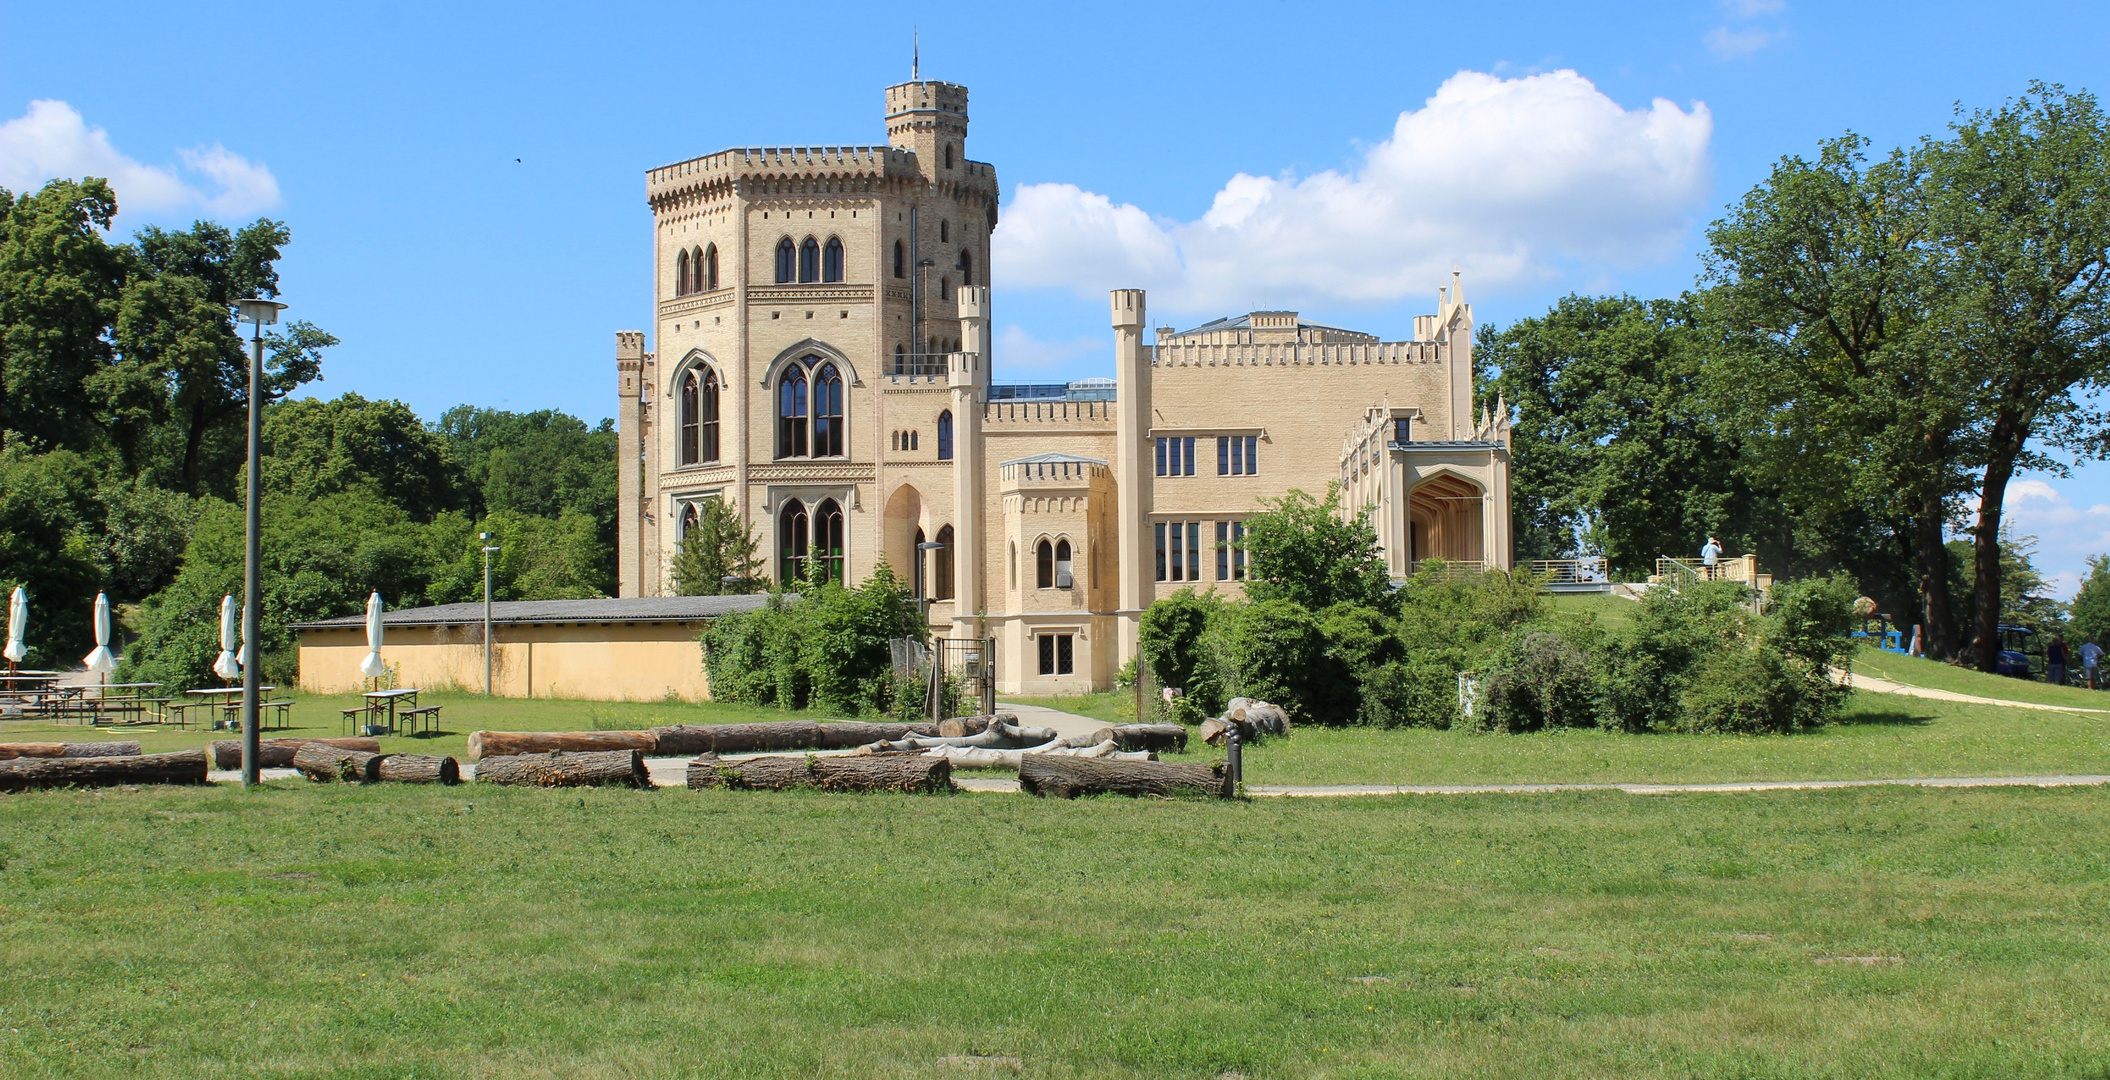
1053	458
1080	390
1245	322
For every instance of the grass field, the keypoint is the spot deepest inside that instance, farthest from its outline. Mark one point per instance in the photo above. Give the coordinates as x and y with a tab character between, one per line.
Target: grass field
1936	675
305	930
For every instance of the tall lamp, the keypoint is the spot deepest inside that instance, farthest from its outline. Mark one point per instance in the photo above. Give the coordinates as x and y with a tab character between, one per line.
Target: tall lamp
489	548
259	313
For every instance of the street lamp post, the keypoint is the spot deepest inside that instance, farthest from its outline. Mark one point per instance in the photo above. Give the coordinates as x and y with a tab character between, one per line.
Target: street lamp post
489	548
260	313
923	576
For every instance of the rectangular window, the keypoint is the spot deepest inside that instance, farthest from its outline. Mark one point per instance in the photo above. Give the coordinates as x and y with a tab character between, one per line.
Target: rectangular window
1402	430
1194	551
1252	454
1223	455
1179	551
1058	654
1238	559
1175	456
1161	455
1161	551
1223	551
1237	455
1187	450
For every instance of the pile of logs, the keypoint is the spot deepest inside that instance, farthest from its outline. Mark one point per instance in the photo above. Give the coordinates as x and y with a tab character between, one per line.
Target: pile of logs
564	768
11	751
36	769
321	761
684	740
1049	776
278	753
910	774
1003	744
1255	720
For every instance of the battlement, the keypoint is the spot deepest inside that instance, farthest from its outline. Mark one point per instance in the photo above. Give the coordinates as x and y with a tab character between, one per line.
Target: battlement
926	96
1182	352
1052	470
629	346
1086	415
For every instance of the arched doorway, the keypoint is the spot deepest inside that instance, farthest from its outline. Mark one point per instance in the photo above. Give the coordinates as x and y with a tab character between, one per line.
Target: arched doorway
1444	520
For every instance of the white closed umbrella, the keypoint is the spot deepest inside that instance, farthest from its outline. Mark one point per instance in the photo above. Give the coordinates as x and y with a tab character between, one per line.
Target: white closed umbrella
227	667
372	666
100	660
17	625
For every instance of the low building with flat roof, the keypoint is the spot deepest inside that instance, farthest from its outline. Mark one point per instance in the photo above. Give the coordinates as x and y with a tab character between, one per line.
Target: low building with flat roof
628	649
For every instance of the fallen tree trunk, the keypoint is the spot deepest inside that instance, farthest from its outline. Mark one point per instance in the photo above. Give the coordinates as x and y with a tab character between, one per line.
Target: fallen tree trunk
1008	760
419	769
1050	776
13	750
278	753
329	764
183	767
907	773
1171	737
998	736
971	725
493	744
1216	730
558	768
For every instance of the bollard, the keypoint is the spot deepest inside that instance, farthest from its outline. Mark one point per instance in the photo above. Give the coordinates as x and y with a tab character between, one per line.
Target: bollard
1237	756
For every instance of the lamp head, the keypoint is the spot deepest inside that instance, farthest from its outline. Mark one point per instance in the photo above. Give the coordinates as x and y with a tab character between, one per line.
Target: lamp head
485	537
256	309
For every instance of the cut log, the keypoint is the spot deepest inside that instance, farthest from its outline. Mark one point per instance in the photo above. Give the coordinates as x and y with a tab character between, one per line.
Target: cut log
492	744
1265	718
1171	737
998	736
907	773
183	767
329	764
419	769
558	768
970	757
1050	776
970	725
278	753
11	751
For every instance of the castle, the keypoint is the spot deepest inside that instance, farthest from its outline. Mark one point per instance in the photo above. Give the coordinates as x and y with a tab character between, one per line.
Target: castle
824	367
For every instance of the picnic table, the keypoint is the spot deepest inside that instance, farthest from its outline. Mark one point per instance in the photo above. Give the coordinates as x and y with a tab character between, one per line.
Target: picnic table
228	700
106	702
26	692
382	709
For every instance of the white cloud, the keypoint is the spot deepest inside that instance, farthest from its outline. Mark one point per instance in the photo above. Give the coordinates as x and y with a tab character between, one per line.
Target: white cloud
53	140
1507	178
1727	44
1019	350
2066	533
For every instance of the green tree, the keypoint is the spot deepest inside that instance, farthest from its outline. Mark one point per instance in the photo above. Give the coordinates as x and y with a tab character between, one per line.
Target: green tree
49	513
540	463
2020	205
1614	449
1173	639
538	558
314	448
1308	552
59	284
2090	620
719	546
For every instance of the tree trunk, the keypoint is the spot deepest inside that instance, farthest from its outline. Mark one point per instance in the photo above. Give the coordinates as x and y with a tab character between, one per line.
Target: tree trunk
1068	777
975	757
567	769
22	774
492	744
328	764
1938	619
1171	737
2004	446
278	753
970	725
998	736
911	774
419	769
10	751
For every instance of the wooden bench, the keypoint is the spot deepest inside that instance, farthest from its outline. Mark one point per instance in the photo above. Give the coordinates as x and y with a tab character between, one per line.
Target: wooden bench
429	715
269	715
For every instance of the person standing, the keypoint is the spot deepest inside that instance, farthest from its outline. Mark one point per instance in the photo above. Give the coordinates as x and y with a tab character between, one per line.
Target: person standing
1710	555
2055	661
2092	664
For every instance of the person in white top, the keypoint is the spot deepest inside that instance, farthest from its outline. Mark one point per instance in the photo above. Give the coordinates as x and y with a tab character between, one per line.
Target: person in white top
1710	554
2092	664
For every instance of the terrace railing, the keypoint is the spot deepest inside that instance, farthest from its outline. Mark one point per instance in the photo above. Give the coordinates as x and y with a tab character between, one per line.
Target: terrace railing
1590	570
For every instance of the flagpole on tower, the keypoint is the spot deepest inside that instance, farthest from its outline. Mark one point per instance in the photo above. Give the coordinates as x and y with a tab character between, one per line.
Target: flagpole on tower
915	62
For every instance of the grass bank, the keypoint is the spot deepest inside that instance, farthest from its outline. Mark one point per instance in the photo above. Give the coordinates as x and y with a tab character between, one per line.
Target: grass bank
422	932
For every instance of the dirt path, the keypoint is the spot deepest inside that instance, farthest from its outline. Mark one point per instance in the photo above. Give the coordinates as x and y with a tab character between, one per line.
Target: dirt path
1885	686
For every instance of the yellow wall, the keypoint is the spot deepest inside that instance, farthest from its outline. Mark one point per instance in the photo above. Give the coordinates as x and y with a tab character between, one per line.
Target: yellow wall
594	662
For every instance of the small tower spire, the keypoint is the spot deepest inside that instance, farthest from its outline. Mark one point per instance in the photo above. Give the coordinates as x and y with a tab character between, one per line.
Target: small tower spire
915	56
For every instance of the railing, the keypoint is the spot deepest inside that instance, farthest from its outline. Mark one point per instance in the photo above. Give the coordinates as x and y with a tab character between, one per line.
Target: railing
1743	570
918	364
1451	569
1591	570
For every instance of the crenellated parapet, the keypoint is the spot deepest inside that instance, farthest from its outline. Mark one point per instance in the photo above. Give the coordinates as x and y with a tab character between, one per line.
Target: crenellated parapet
1186	354
1046	415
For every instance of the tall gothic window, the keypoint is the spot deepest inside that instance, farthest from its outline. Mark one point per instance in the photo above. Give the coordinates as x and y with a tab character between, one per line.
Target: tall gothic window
832	260
1062	564
792	540
827	412
810	260
944	232
1044	565
787	261
708	443
900	259
689	520
791	412
900	359
967	268
941	573
681	274
828	538
710	268
691	418
945	435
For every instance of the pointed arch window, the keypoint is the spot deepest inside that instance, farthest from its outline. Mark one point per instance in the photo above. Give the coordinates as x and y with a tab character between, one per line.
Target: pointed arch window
1044	565
792	541
828	539
791	412
827	412
832	260
900	259
708	443
787	261
945	435
967	268
941	572
681	273
810	260
691	419
1063	577
689	520
710	268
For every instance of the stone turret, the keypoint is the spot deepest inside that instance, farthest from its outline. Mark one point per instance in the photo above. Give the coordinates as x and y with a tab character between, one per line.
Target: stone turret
1132	468
929	119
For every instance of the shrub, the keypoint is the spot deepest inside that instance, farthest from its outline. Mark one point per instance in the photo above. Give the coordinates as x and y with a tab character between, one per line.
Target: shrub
1409	693
1173	639
1745	691
1547	682
1274	651
825	647
1647	667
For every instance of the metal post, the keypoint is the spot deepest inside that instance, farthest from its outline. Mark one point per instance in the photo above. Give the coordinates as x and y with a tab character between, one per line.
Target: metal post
488	549
251	586
1237	756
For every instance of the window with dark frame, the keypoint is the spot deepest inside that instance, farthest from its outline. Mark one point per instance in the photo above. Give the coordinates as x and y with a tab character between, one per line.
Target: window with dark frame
1237	455
832	260
945	435
1175	456
1058	654
1230	551
787	262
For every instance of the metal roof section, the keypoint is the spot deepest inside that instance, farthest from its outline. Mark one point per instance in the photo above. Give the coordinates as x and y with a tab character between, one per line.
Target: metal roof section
1052	457
1078	390
552	612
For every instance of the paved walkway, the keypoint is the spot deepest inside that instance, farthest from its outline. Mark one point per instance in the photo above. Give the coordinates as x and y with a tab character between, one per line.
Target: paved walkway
1885	686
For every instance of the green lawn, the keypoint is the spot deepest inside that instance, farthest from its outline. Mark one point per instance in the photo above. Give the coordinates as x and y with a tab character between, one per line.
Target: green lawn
1936	675
390	931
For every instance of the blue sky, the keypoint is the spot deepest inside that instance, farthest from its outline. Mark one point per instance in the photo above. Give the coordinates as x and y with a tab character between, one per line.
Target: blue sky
1336	158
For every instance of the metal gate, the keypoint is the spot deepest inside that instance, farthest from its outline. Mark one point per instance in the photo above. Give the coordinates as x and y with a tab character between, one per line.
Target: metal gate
962	678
